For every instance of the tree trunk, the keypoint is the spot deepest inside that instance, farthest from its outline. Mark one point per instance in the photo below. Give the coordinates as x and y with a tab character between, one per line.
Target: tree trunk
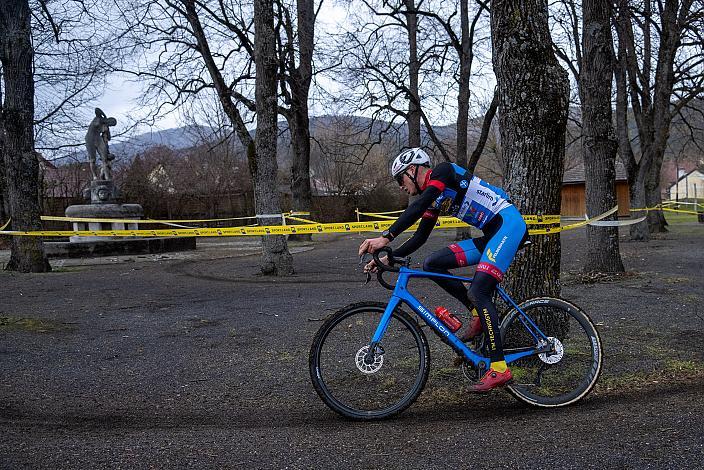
598	140
4	210
634	170
484	135
21	163
463	89
638	232
276	258
299	124
533	103
413	117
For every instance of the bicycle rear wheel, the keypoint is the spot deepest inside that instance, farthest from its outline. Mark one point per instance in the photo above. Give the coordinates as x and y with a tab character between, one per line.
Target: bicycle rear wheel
368	390
566	373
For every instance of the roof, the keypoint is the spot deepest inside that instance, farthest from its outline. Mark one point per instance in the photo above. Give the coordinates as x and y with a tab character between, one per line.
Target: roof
685	176
576	174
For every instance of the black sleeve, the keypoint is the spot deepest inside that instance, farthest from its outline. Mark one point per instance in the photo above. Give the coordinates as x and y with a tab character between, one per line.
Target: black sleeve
414	211
418	239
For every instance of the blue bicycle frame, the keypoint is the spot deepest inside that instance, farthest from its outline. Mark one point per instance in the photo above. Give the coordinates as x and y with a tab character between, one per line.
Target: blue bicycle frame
401	294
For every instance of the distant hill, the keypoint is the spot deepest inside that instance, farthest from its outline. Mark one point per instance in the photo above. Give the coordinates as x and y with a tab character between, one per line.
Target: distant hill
183	138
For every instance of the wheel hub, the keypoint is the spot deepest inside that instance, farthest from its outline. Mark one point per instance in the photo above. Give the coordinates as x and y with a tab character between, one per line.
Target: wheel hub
558	351
364	364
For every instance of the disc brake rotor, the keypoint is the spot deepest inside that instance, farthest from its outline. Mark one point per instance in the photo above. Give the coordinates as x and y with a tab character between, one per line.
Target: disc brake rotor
556	355
368	368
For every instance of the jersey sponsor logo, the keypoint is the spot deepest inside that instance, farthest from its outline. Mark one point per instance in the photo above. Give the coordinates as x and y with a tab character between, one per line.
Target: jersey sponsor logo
432	319
463	209
485	194
491	270
490	255
498	248
464	184
489	329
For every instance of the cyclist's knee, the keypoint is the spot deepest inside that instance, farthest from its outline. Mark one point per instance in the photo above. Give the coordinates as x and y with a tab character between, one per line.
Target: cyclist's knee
440	261
430	264
482	288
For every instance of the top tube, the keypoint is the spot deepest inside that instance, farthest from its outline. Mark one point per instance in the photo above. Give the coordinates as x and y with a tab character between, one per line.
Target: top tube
409	273
419	273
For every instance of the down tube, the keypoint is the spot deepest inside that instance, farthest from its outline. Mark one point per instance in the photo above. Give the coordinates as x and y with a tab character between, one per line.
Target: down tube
385	318
431	320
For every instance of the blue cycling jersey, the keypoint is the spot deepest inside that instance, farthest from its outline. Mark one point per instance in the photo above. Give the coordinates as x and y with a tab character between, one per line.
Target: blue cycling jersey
466	196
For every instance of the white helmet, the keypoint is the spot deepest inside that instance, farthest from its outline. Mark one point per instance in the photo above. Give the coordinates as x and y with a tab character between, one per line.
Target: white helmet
414	156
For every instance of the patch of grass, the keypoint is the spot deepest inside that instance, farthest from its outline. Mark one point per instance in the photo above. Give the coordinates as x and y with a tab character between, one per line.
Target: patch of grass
674	218
641	379
286	356
447	395
678	365
444	372
202	322
32	325
66	269
578	277
677	280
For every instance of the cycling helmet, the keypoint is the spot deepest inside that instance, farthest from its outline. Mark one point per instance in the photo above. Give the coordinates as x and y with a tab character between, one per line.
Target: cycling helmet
414	156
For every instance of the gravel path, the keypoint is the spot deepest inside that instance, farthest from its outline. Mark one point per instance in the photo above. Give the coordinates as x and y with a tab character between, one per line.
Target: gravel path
200	362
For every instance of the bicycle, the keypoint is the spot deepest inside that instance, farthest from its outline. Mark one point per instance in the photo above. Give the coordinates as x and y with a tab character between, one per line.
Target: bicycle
371	360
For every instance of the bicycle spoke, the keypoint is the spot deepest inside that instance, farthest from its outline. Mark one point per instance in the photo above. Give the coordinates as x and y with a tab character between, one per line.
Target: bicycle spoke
568	370
363	385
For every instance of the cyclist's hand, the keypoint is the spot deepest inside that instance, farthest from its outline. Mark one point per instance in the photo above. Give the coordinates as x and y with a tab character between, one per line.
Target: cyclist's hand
370	245
372	267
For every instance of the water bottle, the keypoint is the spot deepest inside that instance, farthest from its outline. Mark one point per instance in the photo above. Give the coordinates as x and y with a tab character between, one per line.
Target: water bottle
449	319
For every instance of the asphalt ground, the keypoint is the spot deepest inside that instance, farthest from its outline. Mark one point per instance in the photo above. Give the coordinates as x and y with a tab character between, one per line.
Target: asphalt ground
196	360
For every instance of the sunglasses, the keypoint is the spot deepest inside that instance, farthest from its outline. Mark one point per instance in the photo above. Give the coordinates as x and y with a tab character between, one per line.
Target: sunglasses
399	178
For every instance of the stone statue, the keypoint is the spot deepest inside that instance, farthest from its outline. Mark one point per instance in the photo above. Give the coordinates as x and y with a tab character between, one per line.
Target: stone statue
97	138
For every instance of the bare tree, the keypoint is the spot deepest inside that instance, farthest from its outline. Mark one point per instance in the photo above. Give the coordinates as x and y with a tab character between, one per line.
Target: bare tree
277	259
210	46
4	209
463	45
390	69
21	163
295	79
660	71
533	104
598	140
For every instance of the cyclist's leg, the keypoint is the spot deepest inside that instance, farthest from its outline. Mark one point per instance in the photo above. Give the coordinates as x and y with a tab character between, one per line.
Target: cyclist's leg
454	256
497	255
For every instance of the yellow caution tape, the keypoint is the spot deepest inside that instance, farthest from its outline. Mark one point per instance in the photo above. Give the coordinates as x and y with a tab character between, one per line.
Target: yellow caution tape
299	219
530	219
155	221
593	219
550	226
665	209
349	227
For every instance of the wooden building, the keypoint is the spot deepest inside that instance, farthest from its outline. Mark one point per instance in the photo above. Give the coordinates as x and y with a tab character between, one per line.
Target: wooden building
574	199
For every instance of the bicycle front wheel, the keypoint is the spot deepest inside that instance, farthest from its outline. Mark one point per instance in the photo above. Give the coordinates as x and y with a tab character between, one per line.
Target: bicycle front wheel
569	368
384	384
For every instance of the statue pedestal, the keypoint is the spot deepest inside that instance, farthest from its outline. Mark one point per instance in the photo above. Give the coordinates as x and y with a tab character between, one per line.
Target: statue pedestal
103	194
104	211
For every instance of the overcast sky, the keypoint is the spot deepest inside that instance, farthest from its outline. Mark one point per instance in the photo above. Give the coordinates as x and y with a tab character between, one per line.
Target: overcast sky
120	99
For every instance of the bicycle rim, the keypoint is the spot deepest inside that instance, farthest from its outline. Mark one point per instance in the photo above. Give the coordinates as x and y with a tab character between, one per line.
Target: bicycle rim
369	391
570	370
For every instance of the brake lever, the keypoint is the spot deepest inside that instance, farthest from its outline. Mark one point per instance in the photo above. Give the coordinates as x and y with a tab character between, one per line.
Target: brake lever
363	261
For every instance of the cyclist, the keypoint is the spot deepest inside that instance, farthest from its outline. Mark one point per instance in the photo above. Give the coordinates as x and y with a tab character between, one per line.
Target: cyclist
450	189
